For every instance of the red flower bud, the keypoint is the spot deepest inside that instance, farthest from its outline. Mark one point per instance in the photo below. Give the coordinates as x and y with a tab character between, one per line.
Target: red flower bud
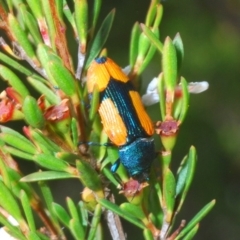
6	110
57	113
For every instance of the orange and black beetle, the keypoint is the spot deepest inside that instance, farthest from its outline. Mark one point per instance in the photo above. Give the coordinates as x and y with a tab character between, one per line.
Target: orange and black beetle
123	116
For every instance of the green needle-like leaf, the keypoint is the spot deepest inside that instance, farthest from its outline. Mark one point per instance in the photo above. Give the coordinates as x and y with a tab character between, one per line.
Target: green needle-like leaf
135	34
191	233
67	156
43	89
17	186
98	151
21	37
39	137
15	139
143	46
46	55
33	114
107	172
14	81
113	207
9	203
135	210
48	197
83	214
33	236
156	202
18	153
36	8
186	177
74	131
182	174
27	210
76	229
50	162
31	24
151	13
48	15
8	130
59	9
4	173
7	5
177	42
169	64
94	104
158	17
149	55
14	64
152	37
68	14
96	11
198	217
185	100
46	176
62	214
75	224
89	177
169	186
62	77
162	100
100	38
147	234
95	221
72	209
81	19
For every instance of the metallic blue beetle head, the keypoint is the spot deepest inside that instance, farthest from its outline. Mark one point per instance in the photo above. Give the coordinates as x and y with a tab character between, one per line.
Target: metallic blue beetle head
137	157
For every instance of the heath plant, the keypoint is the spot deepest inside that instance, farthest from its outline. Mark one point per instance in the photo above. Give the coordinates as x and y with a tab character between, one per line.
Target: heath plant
47	47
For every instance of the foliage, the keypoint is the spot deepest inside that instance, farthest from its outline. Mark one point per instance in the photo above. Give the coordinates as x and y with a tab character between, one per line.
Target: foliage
60	124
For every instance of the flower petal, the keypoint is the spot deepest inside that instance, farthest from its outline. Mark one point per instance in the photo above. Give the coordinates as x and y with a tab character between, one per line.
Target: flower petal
198	87
151	96
150	99
6	110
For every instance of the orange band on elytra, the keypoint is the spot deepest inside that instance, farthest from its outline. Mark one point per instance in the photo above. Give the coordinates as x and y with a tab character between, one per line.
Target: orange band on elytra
99	74
113	124
115	71
142	115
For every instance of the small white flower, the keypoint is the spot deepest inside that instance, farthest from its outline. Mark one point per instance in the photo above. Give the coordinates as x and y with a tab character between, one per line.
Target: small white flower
152	96
4	235
126	69
198	87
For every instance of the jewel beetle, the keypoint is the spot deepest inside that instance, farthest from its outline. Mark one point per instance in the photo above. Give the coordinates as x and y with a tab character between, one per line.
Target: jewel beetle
123	116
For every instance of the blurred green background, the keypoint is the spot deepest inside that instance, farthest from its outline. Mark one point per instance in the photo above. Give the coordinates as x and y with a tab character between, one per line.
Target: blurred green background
211	35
